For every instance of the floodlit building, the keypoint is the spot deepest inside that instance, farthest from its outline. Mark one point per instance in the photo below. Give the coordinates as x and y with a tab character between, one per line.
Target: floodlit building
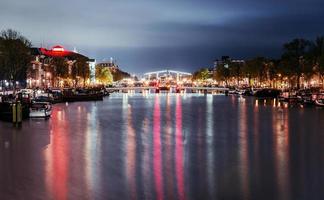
41	74
92	65
111	64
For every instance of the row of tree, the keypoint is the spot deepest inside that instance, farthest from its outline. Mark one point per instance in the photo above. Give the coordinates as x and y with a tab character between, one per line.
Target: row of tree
301	60
59	68
80	71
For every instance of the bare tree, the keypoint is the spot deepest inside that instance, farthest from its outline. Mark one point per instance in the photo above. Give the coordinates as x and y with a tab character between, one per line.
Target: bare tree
15	56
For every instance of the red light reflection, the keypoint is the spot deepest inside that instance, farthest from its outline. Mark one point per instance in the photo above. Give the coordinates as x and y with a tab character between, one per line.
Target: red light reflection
179	150
157	162
56	157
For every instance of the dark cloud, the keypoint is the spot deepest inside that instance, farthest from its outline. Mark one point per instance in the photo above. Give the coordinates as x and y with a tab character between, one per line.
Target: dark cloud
185	34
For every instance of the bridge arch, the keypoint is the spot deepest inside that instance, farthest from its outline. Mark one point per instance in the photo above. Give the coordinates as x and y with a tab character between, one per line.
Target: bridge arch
167	72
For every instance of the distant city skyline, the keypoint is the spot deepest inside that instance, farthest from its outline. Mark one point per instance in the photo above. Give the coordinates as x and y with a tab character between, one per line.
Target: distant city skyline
152	35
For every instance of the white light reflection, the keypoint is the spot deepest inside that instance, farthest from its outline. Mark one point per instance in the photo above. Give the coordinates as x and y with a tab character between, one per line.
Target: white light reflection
210	147
243	150
146	167
281	148
92	152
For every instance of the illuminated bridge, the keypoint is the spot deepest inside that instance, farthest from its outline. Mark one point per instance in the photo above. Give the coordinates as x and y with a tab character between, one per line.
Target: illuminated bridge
163	73
172	89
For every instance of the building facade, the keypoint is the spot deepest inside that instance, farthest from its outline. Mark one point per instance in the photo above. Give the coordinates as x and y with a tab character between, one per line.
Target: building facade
42	74
111	65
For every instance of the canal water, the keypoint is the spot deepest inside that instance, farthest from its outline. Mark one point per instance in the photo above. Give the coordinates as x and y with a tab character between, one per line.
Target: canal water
166	146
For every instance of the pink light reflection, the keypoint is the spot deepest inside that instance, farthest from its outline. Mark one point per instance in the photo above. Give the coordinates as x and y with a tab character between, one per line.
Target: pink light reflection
179	150
56	157
157	162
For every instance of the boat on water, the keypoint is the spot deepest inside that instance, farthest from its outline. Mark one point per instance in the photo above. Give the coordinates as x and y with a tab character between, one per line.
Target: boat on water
56	95
308	96
267	93
70	95
40	110
83	97
307	100
44	98
319	101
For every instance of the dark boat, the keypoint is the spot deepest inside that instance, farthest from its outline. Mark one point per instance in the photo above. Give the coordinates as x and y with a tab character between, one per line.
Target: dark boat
307	100
267	93
247	92
57	95
164	88
319	101
307	96
49	99
82	95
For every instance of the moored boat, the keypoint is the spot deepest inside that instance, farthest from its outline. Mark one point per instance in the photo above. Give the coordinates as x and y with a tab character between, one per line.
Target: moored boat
267	93
319	101
40	110
70	95
44	98
83	97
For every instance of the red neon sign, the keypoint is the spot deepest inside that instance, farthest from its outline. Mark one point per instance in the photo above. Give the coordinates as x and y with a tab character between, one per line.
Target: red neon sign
58	48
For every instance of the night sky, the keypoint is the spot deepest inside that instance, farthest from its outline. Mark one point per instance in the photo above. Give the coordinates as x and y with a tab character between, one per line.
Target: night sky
146	35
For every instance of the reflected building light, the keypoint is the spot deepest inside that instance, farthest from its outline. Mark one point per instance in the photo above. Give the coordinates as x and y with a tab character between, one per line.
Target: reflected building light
48	157
168	152
241	99
281	152
210	147
146	164
130	158
59	115
93	153
56	158
157	149
125	101
179	159
243	151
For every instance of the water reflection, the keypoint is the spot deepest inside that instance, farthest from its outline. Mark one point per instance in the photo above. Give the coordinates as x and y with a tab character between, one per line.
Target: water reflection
130	144
92	152
243	149
157	162
281	149
166	146
146	161
210	146
179	158
168	155
56	157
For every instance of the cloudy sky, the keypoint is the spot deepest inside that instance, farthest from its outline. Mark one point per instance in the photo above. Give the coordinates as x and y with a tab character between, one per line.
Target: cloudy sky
146	35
